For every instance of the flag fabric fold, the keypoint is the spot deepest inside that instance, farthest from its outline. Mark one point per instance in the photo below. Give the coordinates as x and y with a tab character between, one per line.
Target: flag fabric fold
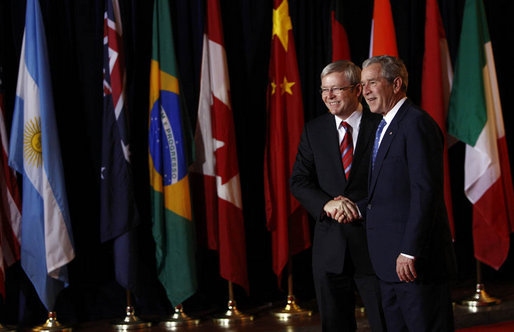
172	224
340	45
286	219
436	84
383	34
10	203
475	118
216	170
118	212
46	243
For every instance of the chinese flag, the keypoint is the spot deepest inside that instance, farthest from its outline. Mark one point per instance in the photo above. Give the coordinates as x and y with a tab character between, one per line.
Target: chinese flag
286	219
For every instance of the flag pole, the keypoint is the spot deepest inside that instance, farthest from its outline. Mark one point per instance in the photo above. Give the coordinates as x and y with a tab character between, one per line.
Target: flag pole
131	321
480	298
232	315
52	324
291	310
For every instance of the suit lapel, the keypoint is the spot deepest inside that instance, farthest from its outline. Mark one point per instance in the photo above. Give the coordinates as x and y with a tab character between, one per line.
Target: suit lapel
388	138
366	126
333	146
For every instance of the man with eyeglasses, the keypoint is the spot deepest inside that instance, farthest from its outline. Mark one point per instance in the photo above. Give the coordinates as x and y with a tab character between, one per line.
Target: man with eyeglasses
329	174
409	238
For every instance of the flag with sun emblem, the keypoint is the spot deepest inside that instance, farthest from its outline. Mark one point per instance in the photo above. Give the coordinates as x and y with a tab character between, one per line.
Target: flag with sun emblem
46	243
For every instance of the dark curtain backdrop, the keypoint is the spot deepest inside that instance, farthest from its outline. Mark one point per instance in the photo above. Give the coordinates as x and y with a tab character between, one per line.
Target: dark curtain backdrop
74	32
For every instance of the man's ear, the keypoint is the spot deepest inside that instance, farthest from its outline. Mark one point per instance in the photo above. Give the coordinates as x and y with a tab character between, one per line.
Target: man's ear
397	84
358	88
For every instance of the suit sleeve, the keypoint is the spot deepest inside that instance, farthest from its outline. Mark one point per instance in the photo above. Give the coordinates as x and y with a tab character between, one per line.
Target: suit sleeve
304	182
424	151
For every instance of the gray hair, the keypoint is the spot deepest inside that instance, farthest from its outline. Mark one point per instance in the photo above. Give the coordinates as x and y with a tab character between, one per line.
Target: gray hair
351	71
392	67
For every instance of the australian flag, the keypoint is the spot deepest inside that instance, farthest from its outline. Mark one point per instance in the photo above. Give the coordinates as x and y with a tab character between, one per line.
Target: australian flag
118	212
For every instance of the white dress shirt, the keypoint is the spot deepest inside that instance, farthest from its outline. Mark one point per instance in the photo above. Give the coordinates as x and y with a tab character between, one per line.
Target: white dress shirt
354	120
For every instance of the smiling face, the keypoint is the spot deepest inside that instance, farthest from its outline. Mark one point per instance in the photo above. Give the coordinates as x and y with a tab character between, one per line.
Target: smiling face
340	103
380	94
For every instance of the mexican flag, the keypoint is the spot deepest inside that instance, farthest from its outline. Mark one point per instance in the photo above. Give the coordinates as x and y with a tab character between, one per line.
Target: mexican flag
475	118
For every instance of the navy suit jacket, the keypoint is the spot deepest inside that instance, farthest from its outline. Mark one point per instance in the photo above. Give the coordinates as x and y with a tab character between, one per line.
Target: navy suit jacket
406	212
318	177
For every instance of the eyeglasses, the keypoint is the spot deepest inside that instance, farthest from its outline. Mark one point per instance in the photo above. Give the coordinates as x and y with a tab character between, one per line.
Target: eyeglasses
335	90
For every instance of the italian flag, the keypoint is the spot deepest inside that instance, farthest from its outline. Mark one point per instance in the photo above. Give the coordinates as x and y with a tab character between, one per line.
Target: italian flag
475	118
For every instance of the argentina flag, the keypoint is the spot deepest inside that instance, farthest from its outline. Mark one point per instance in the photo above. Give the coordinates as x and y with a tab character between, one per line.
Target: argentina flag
46	243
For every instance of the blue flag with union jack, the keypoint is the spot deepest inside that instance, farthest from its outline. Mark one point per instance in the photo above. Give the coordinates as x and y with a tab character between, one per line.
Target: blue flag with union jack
118	212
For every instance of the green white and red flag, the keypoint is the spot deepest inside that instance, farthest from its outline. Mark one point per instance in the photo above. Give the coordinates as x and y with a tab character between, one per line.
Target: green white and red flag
475	118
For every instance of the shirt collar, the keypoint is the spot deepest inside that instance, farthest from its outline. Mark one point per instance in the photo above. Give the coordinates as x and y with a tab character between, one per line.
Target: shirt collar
390	115
353	120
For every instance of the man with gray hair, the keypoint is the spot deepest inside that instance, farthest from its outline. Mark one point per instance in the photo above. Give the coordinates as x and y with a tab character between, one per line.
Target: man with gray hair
409	238
329	174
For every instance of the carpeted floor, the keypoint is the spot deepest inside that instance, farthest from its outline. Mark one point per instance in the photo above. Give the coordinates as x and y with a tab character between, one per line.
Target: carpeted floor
495	318
498	327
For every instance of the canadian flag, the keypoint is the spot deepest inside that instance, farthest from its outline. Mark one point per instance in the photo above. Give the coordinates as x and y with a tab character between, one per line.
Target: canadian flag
217	193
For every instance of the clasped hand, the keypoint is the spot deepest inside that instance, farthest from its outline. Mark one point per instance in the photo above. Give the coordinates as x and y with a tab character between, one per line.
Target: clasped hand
342	209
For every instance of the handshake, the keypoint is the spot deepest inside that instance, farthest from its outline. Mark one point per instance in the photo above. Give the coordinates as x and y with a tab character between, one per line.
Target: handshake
342	209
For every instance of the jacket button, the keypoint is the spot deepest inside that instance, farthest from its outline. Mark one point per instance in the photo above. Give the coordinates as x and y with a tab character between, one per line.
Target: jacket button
368	207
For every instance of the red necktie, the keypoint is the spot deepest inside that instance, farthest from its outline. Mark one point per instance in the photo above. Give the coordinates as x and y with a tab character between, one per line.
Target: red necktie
346	149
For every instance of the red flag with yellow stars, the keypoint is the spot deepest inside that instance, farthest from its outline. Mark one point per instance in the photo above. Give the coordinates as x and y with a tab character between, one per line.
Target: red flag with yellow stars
286	219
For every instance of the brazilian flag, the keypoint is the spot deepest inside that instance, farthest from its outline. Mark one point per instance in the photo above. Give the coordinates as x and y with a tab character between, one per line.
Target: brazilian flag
172	225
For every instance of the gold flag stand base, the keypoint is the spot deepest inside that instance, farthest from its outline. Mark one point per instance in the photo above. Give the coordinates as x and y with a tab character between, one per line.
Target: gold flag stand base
179	318
480	298
6	329
52	325
232	316
131	321
360	312
291	311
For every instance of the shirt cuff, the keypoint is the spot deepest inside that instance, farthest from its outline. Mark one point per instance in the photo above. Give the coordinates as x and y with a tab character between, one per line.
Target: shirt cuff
408	256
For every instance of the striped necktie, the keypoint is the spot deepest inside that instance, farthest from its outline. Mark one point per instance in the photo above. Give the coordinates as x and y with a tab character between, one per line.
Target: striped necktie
377	142
346	149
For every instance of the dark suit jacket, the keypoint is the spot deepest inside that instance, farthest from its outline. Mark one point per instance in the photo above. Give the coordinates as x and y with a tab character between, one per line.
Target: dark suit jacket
318	177
406	212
